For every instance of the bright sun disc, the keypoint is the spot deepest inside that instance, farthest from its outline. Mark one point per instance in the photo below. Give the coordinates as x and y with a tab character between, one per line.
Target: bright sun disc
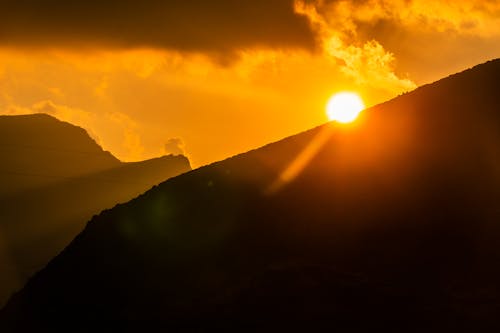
344	107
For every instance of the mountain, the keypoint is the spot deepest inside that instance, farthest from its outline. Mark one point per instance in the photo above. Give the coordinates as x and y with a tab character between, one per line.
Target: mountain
55	178
387	224
38	149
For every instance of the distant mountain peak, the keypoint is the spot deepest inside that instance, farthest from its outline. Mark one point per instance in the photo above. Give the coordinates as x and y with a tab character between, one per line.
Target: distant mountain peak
43	130
53	178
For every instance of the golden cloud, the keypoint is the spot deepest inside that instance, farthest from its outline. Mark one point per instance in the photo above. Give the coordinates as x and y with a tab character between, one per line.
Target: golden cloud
367	63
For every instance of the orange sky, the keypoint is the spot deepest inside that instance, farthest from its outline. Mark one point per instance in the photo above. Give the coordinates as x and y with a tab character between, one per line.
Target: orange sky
227	78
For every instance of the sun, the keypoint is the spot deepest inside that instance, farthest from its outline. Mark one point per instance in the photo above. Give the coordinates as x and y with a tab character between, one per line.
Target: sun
344	107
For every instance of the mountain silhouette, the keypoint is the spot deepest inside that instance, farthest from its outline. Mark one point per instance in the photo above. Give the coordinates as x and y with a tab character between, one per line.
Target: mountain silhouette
38	149
55	178
387	224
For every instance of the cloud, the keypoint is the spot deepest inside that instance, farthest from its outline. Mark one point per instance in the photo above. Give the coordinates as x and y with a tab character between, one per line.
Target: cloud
368	63
185	25
473	17
174	146
421	37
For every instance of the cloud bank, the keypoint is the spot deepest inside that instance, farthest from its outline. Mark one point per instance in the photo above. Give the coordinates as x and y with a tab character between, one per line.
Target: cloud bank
184	25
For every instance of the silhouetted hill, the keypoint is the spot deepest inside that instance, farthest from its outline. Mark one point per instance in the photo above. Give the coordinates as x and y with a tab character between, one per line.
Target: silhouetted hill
56	179
392	225
39	149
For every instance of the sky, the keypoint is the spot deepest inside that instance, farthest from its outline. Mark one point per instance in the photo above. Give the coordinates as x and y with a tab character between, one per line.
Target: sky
212	79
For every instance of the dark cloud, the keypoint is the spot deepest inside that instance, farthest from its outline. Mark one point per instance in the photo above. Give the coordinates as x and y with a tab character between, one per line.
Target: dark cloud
185	25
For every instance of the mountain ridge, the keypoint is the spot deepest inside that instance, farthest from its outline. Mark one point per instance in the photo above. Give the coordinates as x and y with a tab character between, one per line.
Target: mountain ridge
63	178
31	146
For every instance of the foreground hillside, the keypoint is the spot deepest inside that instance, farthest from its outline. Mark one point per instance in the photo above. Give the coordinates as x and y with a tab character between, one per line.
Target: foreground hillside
55	178
388	224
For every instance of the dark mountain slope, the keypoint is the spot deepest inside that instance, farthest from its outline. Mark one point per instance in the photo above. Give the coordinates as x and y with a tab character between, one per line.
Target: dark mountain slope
392	225
62	181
